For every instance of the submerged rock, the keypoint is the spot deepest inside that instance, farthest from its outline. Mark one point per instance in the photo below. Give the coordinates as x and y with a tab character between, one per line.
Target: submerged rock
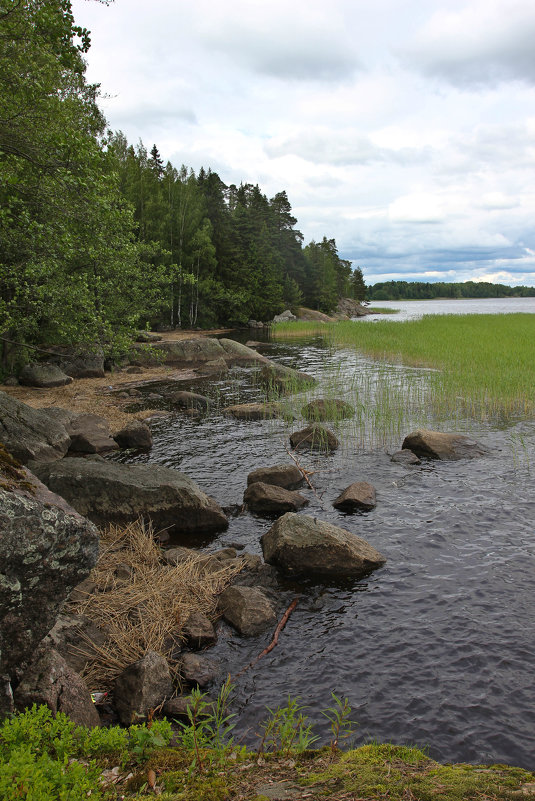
447	447
189	400
405	456
302	545
107	492
314	437
270	499
254	411
198	669
327	409
247	609
280	475
358	496
283	380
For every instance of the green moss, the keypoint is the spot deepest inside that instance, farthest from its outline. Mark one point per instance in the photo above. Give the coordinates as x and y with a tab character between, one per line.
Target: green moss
400	772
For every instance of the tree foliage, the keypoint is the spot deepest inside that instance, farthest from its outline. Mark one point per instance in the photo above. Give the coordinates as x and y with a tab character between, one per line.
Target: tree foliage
98	235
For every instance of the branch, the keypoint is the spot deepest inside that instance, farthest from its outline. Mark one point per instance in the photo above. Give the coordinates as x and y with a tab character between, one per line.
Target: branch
274	641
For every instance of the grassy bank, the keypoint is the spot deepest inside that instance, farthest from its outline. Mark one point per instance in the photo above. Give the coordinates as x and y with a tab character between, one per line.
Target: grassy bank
47	757
485	363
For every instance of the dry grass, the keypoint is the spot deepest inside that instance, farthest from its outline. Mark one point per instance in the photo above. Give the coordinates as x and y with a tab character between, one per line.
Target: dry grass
147	610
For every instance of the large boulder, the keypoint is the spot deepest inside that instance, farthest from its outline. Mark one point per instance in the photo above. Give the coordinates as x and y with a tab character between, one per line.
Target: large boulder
327	409
43	375
142	686
50	681
31	434
270	499
247	609
302	545
359	496
46	549
314	437
447	447
108	492
280	475
198	351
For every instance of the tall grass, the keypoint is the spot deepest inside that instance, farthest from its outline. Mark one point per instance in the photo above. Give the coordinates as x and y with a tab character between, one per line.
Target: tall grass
483	365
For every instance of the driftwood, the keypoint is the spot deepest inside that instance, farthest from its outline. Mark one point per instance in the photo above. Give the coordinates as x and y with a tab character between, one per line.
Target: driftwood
280	625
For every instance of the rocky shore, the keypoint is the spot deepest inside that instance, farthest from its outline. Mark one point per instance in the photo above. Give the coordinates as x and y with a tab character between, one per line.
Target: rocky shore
73	621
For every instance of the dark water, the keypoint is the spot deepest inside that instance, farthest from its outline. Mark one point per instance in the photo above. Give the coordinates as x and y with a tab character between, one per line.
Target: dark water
435	649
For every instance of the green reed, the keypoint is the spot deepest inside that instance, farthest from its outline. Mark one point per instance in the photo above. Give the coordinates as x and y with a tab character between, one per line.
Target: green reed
458	368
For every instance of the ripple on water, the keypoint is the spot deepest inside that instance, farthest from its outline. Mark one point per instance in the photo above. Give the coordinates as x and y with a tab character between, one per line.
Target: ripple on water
435	649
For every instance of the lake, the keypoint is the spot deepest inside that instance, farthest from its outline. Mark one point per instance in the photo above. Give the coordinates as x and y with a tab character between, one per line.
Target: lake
435	649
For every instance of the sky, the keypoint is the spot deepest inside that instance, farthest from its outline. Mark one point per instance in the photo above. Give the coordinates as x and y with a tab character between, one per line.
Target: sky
404	129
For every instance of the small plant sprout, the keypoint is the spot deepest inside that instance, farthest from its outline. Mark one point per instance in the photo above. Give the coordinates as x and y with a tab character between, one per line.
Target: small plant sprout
207	732
342	726
286	730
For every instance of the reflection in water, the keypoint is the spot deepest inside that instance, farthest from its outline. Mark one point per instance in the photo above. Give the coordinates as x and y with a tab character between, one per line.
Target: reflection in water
437	647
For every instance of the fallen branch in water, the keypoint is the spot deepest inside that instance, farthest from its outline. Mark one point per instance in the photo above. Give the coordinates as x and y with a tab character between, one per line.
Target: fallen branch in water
281	624
305	473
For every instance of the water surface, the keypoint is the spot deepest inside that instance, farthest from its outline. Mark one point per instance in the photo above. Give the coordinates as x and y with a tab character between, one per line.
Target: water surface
435	649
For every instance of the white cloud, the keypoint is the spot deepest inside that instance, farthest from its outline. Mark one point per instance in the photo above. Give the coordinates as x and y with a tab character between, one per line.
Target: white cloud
410	175
484	42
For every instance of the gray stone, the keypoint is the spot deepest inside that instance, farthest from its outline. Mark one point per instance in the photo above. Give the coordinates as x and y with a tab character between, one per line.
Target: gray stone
270	499
135	434
141	687
283	380
314	437
247	609
43	375
327	409
50	681
280	475
31	434
189	400
75	637
284	317
86	365
90	433
358	496
46	549
198	669
405	456
302	545
447	447
178	707
175	556
108	492
254	411
198	631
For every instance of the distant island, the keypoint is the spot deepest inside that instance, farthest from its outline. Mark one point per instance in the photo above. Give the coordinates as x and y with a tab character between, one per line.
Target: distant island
424	290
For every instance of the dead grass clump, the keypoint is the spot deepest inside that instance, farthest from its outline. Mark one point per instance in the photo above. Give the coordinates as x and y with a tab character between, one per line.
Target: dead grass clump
141	604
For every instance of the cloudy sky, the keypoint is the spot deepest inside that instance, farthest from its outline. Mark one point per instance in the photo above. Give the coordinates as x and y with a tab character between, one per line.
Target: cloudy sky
405	129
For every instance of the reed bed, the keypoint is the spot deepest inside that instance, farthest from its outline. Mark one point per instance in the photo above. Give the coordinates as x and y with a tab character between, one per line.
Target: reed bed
145	609
442	370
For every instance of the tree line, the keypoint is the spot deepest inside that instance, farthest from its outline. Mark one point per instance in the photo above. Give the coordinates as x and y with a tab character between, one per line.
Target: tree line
99	237
420	290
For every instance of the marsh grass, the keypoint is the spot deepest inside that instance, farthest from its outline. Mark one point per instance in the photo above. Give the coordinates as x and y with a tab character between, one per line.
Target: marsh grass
455	368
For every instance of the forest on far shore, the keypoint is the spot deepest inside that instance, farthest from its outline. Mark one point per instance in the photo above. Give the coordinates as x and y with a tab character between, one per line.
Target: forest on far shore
423	290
